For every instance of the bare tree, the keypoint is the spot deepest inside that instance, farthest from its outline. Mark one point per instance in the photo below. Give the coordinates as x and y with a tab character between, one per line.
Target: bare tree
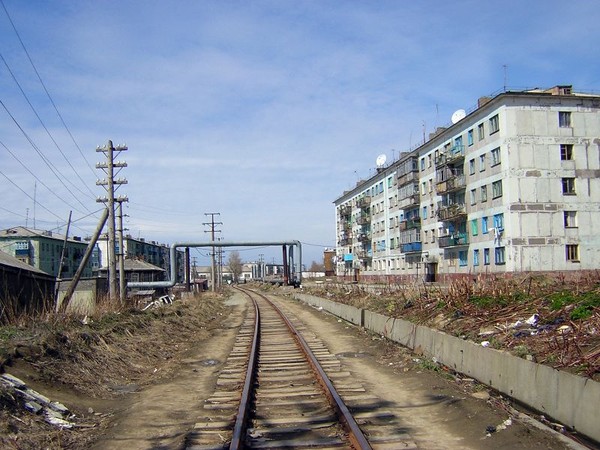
234	264
316	267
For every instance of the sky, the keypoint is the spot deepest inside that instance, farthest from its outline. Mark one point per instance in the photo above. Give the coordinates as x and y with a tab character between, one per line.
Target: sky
262	111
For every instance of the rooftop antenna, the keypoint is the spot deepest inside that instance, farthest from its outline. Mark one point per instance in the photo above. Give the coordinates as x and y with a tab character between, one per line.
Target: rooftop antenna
505	66
380	161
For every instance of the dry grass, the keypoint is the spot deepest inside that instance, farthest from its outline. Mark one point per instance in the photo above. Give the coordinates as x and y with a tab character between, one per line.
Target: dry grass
566	334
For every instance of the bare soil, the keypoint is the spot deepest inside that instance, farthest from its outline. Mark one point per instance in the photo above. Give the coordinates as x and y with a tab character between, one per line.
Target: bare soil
138	380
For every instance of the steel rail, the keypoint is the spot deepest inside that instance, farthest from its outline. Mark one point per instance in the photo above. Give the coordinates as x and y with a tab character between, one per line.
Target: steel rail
355	434
239	428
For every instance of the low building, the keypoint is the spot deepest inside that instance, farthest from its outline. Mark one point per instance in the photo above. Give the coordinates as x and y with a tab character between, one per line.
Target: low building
23	288
512	185
143	250
44	250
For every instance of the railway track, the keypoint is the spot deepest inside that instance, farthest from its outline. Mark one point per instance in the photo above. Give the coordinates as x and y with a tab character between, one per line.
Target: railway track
282	389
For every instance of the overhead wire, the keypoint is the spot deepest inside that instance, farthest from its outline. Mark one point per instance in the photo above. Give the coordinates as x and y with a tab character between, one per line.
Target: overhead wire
44	158
47	131
45	89
29	196
35	176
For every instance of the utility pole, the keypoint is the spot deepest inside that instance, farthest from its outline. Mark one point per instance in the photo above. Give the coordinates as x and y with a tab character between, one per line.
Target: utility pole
109	183
212	224
121	255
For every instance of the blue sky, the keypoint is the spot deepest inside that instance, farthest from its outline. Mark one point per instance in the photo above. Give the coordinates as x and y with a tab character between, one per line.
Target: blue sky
264	111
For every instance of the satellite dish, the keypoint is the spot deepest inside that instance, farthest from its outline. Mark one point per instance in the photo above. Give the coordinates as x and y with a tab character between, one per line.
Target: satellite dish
380	160
458	115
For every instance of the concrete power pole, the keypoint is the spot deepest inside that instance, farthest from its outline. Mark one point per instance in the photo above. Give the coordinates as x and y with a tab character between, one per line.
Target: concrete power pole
109	184
122	280
212	224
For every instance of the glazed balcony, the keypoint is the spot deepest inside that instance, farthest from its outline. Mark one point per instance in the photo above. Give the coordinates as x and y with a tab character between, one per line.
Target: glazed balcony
411	247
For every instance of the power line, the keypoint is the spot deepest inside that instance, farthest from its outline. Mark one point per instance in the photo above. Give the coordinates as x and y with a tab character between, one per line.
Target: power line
48	163
35	176
23	191
45	89
45	128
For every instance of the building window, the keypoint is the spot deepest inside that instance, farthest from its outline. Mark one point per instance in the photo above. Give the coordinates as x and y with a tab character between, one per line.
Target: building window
572	251
475	257
472	167
497	189
473	196
484	225
566	152
481	132
499	221
568	186
564	119
486	256
423	188
484	193
495	156
462	258
499	255
482	163
430	185
422	164
424	213
389	182
494	124
570	218
474	228
470	137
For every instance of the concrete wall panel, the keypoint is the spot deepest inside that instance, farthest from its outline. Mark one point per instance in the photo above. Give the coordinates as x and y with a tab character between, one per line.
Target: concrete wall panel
567	398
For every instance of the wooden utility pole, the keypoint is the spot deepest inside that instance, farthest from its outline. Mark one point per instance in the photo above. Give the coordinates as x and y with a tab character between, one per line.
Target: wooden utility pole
109	184
212	224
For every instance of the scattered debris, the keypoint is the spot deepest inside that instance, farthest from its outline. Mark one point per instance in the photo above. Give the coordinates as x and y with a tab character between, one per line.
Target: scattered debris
55	413
164	300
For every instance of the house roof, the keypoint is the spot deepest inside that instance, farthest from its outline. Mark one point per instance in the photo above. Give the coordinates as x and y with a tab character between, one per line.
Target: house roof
11	261
136	265
24	232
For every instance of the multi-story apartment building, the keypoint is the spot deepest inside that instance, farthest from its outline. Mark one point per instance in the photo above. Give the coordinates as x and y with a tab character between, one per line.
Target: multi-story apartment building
149	251
514	185
44	249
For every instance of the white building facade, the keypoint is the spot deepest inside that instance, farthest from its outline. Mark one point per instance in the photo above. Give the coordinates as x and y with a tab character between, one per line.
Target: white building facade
512	186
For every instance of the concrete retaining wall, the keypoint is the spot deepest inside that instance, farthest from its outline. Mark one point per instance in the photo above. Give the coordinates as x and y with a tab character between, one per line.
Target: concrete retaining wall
567	398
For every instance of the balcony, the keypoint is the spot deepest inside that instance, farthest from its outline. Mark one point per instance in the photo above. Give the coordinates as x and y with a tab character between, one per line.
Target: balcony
411	200
408	178
344	241
411	247
452	211
451	156
451	184
453	240
364	219
410	223
345	210
364	202
364	237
